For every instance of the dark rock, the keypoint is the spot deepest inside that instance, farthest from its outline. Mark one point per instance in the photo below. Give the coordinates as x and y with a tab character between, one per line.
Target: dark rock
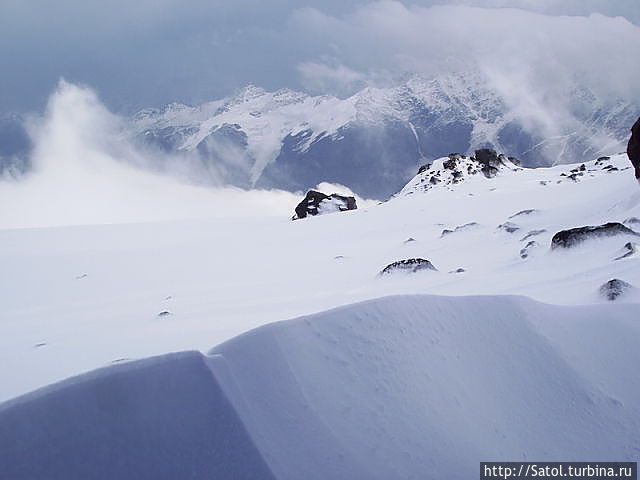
314	203
488	158
164	313
532	233
524	253
528	211
458	228
601	160
411	265
633	147
458	270
574	236
451	164
629	249
514	160
509	227
614	289
424	168
410	240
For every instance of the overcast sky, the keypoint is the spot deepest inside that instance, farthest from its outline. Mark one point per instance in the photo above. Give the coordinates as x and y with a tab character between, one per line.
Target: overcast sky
151	52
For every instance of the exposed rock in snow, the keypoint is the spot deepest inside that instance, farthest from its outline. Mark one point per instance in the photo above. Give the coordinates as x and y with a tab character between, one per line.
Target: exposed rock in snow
527	211
630	250
508	227
633	147
456	168
317	203
574	236
459	228
614	289
409	265
524	253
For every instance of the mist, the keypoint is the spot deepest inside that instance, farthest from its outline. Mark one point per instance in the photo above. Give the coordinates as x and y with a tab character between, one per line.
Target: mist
84	172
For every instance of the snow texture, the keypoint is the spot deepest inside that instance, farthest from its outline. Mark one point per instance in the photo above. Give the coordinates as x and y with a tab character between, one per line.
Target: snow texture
399	387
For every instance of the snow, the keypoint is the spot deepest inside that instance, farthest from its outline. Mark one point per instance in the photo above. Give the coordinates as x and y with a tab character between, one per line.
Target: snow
398	387
465	98
92	294
450	370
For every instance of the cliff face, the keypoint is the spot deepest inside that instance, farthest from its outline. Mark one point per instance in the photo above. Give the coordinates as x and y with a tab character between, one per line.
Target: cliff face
633	147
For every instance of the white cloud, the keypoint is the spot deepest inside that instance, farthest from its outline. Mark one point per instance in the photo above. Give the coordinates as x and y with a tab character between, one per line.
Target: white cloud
533	60
85	173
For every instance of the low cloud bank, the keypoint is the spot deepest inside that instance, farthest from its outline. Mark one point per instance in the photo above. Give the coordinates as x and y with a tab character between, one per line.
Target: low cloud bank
85	172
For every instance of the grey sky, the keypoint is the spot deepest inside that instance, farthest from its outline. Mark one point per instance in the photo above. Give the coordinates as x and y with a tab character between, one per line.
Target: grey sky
151	52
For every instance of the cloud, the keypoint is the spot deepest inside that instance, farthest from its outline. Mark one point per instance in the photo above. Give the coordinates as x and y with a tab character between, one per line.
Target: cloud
339	80
534	61
85	173
152	52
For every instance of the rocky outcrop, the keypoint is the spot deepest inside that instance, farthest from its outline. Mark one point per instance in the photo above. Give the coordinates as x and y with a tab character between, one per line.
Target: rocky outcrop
574	236
614	289
456	168
410	265
633	147
317	203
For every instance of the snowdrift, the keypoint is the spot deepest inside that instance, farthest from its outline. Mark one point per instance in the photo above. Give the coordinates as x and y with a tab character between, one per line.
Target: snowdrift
398	387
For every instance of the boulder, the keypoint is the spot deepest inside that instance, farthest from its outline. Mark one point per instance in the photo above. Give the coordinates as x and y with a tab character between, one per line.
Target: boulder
633	147
317	203
574	236
614	289
410	265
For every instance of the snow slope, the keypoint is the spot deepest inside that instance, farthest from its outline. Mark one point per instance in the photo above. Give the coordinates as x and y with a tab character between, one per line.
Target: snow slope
76	298
399	387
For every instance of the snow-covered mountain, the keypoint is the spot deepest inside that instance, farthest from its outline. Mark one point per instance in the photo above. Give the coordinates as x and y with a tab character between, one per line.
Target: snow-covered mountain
373	140
421	374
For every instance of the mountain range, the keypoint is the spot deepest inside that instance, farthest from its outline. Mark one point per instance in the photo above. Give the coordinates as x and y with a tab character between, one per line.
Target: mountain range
374	140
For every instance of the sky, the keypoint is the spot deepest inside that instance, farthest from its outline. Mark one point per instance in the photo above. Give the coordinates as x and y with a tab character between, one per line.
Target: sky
152	52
